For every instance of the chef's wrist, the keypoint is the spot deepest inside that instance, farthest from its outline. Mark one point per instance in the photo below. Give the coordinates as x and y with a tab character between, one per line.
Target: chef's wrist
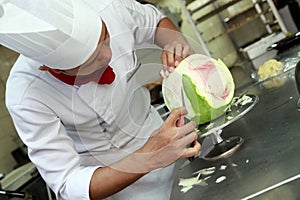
137	162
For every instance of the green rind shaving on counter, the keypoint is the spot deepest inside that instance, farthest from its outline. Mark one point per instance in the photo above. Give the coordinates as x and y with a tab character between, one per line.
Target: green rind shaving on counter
200	103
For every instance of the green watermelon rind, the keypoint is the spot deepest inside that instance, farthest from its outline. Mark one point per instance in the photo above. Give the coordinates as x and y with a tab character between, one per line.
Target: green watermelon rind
199	103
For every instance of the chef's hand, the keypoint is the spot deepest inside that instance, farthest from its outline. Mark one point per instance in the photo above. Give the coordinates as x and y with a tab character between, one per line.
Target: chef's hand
172	54
171	141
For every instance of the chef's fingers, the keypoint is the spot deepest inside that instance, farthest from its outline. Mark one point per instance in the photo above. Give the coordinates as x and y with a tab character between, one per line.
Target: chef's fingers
191	151
186	130
180	121
173	54
164	61
188	138
167	57
175	116
178	54
186	51
167	69
170	59
181	52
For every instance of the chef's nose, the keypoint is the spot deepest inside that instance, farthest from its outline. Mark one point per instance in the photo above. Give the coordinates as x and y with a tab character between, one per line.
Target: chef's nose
297	79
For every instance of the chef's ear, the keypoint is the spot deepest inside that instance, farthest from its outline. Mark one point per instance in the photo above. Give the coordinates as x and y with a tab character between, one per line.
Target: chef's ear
46	68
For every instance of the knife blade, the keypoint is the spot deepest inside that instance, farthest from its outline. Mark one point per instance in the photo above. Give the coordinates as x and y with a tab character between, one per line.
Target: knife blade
183	104
182	97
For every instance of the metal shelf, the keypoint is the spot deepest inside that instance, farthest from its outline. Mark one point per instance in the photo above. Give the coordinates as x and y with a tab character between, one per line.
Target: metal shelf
235	27
259	10
216	11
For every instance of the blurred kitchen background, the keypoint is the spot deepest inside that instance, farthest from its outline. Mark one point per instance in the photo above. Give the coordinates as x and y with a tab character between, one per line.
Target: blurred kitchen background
236	31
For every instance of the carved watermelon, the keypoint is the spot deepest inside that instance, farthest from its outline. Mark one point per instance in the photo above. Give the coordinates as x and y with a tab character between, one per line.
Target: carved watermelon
206	85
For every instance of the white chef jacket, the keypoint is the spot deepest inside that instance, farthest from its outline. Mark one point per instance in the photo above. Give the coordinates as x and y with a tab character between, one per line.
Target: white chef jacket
71	131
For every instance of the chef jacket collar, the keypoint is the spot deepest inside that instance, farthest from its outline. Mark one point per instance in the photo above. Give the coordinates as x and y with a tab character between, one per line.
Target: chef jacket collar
100	77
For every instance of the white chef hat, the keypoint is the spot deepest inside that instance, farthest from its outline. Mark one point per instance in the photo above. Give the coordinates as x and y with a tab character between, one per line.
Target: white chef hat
61	34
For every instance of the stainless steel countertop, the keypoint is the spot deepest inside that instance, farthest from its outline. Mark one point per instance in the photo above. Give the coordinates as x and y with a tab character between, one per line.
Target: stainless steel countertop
270	155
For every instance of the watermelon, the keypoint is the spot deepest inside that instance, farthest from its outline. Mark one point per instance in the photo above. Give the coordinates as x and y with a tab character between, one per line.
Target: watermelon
203	85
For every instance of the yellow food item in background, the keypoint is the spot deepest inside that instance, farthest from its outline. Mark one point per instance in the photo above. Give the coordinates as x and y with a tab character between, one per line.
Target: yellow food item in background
271	68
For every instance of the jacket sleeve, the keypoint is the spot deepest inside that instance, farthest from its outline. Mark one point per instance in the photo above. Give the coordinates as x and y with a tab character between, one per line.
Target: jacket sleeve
145	18
52	151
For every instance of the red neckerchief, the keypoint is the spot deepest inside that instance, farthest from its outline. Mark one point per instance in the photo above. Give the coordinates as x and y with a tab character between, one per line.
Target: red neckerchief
106	77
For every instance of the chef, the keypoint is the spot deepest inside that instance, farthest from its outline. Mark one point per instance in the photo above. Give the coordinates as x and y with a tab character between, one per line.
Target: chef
88	125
